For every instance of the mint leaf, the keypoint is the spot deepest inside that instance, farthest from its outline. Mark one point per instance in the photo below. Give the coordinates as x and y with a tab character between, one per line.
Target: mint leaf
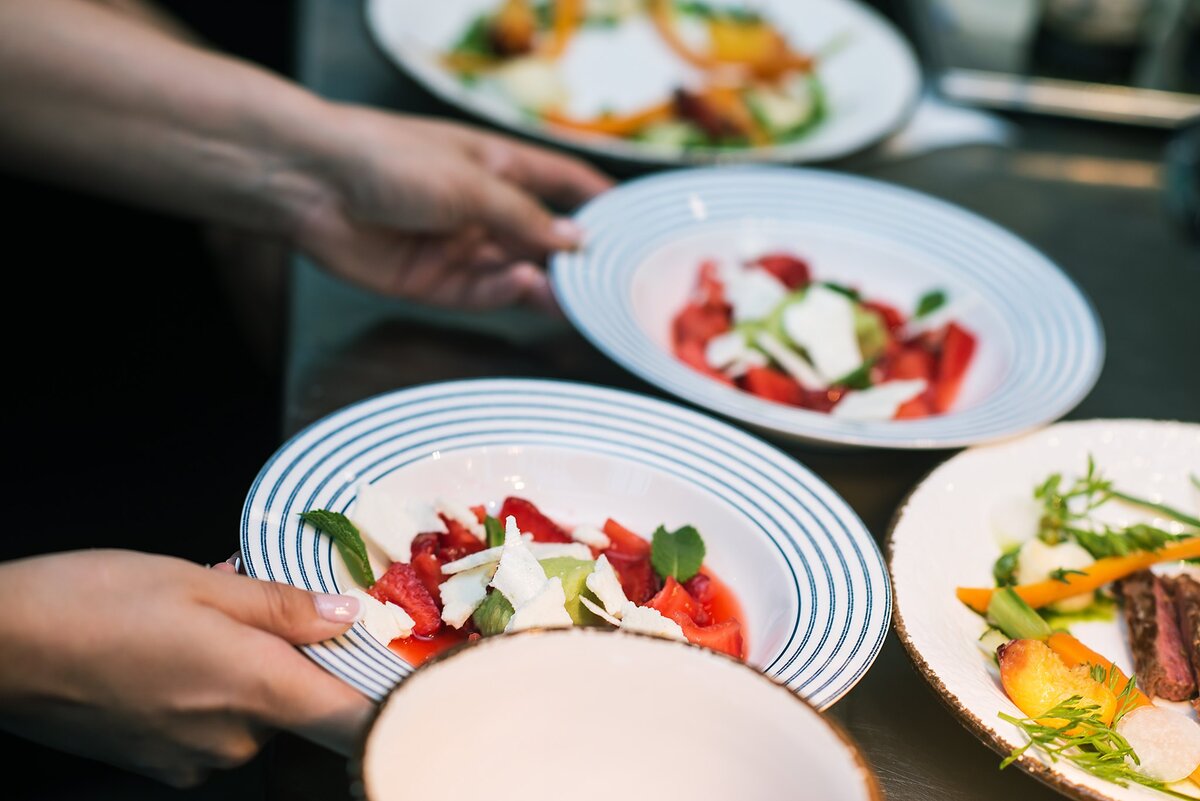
347	539
495	531
859	378
929	303
677	553
841	289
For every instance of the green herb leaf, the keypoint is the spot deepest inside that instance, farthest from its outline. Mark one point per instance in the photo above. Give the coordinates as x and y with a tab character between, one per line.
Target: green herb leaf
842	289
495	531
929	303
1061	573
1005	569
859	378
347	539
677	553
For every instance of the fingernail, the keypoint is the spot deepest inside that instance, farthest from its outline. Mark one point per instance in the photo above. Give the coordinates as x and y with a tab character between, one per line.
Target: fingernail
337	608
568	230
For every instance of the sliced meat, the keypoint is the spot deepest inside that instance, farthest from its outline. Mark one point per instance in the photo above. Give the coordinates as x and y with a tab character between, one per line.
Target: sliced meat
1162	666
1186	591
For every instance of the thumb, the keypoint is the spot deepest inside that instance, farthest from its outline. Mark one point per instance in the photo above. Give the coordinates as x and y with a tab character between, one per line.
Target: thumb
293	614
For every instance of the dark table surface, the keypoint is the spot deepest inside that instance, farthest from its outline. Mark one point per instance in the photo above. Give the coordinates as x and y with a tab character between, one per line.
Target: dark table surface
1088	196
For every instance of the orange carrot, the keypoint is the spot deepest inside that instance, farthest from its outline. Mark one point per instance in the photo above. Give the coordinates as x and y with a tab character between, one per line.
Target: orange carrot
567	16
1099	573
614	124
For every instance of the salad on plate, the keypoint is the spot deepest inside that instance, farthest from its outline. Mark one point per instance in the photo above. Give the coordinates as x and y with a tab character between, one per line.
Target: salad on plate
432	575
770	328
1074	557
739	82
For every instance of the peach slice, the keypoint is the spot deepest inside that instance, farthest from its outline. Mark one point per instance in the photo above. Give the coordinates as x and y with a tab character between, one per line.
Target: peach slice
1037	679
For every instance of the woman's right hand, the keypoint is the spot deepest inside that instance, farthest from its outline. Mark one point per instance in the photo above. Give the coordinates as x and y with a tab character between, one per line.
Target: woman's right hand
164	667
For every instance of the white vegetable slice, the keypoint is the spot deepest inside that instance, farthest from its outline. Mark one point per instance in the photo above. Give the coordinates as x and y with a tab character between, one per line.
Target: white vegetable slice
462	594
532	83
391	523
591	536
550	550
1036	561
518	577
598	611
544	609
791	362
823	324
644	620
383	621
605	585
1166	742
463	516
879	402
753	294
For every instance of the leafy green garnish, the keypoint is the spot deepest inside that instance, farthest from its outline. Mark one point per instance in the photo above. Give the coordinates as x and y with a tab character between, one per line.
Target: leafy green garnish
1005	568
708	11
859	378
495	531
677	553
1102	608
929	303
1061	573
476	39
1082	738
347	539
842	289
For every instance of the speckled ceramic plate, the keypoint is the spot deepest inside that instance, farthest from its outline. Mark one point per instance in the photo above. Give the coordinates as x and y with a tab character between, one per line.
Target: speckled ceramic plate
943	538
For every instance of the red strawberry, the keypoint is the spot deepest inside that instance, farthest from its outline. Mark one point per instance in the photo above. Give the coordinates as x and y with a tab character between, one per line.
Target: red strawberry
531	521
791	271
425	543
624	540
724	637
677	603
457	542
638	579
403	586
773	386
700	323
711	290
700	587
429	570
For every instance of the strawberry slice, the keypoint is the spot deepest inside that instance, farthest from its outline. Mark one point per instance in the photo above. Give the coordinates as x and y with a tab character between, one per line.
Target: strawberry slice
957	349
480	512
711	290
675	602
724	637
624	540
428	568
700	587
791	271
773	386
915	409
700	323
403	586
457	542
912	361
637	576
531	521
425	543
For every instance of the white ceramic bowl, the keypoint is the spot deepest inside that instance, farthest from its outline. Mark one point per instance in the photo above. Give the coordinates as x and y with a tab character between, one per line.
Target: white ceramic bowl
597	716
1040	346
871	83
810	579
943	538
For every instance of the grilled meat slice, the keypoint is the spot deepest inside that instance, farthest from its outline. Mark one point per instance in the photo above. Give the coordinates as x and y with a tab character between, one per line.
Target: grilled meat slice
1186	591
1162	665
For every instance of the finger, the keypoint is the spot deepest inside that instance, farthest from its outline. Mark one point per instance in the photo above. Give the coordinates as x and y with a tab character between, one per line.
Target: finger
512	215
295	615
520	283
560	180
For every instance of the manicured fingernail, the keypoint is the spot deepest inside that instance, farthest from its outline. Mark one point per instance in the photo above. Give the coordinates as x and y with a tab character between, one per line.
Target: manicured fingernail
568	230
337	608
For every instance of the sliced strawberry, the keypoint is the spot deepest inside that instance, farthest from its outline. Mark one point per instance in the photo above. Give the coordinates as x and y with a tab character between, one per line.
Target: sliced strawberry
915	409
821	400
892	318
724	637
773	386
912	361
457	542
480	513
429	570
791	271
403	586
691	353
425	543
624	540
675	602
531	521
638	579
710	289
700	587
957	349
700	323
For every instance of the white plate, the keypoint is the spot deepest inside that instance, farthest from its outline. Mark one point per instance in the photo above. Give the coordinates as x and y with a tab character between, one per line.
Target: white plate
728	731
809	577
871	83
1040	344
943	538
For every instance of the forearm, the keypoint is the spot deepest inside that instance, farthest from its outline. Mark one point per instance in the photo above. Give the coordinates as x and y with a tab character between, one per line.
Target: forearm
93	99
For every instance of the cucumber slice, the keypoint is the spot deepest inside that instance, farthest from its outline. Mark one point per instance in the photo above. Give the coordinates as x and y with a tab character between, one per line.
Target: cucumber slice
871	333
494	613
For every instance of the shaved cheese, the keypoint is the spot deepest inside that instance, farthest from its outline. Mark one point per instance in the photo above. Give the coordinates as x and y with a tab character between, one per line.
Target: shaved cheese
1166	742
644	620
823	324
544	609
792	363
753	358
725	349
519	577
390	523
879	402
462	594
478	559
550	550
591	536
598	610
463	516
605	585
383	621
753	294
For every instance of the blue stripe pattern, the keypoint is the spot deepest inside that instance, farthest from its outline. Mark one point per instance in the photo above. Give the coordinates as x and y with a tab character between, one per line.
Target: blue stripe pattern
838	584
1052	334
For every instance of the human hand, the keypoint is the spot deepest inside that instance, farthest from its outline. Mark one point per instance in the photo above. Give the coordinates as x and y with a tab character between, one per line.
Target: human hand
440	213
165	668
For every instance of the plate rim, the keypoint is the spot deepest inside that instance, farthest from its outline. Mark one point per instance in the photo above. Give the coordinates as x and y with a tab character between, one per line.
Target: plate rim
1039	770
809	430
619	150
857	532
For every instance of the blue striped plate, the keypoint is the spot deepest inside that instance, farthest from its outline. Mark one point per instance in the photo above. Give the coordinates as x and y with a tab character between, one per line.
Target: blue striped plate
811	581
1040	343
